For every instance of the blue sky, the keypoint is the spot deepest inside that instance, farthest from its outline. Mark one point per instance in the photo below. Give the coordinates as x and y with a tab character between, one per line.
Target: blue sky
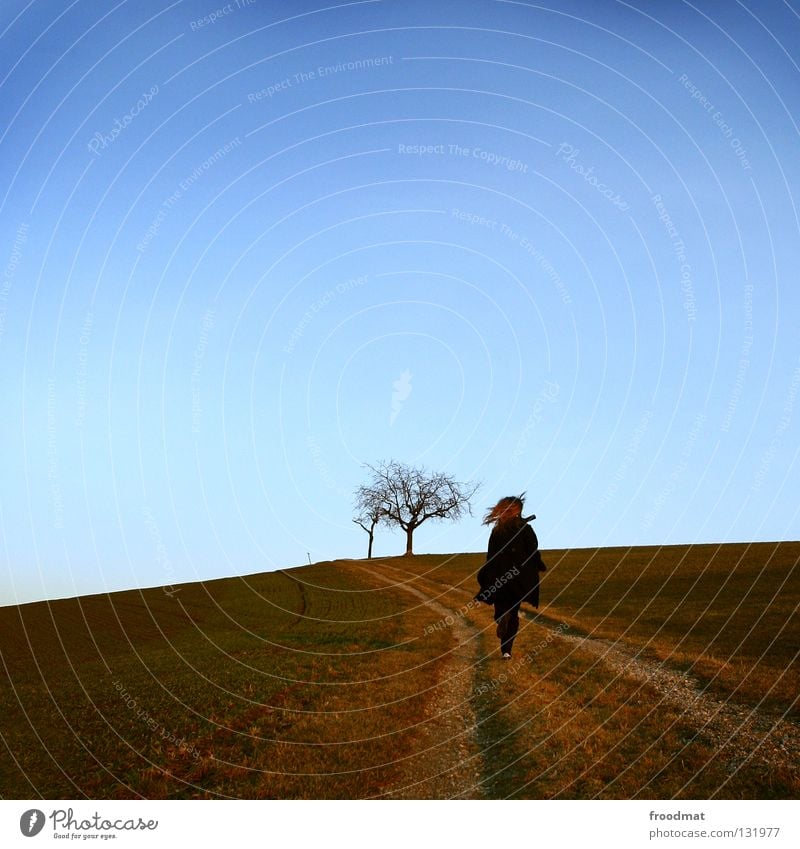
249	247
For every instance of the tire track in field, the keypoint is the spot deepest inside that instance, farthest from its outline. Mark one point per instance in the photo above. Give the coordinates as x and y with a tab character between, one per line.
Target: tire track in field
741	734
449	763
301	613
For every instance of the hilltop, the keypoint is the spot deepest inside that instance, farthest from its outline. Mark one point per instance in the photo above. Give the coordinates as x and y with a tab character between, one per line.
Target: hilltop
648	672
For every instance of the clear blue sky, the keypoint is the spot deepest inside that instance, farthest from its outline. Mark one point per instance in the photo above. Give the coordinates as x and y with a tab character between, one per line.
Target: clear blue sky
248	247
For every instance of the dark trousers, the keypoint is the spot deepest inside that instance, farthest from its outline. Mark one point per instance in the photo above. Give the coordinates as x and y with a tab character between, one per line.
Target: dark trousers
507	619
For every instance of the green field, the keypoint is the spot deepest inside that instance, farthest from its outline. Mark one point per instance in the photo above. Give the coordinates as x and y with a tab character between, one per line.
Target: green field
347	679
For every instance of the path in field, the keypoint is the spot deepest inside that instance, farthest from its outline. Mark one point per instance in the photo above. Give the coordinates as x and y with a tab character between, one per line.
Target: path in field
449	763
742	734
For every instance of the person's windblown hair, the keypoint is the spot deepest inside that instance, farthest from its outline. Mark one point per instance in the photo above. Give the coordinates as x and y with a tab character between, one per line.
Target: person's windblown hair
506	508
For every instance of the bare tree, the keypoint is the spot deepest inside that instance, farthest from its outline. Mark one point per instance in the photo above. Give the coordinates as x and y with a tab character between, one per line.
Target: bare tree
409	496
369	504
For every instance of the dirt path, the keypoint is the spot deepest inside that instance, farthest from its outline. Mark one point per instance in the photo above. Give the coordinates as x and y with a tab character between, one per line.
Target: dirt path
742	734
448	764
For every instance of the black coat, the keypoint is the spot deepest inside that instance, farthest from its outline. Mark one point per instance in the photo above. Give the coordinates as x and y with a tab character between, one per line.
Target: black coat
513	562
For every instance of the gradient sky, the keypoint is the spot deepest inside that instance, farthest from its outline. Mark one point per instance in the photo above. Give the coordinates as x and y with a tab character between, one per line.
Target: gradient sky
247	248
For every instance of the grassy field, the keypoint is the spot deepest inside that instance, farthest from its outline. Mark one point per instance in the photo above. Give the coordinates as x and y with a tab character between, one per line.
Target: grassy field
726	613
324	681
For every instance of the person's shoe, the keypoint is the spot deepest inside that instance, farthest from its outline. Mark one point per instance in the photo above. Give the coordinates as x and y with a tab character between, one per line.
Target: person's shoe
506	656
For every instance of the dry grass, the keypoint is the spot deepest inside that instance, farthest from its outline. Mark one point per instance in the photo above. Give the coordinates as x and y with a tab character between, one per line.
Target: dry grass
562	726
556	722
321	682
728	614
259	688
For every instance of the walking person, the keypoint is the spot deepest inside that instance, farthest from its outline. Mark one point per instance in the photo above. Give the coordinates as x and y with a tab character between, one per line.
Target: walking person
511	572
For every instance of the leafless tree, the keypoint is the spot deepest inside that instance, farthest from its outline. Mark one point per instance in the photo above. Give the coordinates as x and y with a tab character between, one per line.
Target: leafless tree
369	507
409	496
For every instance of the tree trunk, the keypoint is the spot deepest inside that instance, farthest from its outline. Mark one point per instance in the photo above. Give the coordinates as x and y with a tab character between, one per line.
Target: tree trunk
409	541
369	549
